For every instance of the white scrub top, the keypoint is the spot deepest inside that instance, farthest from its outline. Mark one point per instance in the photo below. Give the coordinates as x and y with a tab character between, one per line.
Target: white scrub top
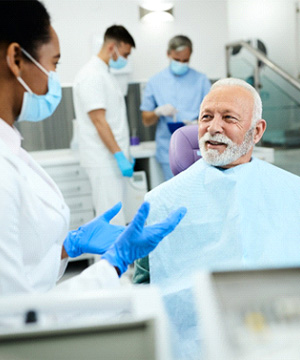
34	221
96	88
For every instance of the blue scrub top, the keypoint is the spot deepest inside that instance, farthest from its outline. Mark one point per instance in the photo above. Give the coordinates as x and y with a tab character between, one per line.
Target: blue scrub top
184	92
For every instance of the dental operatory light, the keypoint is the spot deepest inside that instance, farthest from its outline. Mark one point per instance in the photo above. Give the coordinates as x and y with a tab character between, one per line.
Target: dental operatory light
156	11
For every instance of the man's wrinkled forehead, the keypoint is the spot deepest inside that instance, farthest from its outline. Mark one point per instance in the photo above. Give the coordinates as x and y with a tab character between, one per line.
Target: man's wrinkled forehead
233	98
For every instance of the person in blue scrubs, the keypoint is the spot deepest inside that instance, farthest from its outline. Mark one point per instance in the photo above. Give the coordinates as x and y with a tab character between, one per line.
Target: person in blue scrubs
176	91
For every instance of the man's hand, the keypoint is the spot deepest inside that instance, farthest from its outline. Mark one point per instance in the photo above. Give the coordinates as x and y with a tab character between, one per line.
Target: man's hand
124	164
165	110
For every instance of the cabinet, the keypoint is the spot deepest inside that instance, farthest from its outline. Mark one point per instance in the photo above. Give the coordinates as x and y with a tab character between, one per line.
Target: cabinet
75	187
145	152
63	167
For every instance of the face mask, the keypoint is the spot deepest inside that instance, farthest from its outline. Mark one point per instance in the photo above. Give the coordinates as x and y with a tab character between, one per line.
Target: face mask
119	63
39	107
179	68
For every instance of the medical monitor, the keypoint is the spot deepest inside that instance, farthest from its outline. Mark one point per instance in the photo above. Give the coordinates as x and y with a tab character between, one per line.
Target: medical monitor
126	341
126	323
250	315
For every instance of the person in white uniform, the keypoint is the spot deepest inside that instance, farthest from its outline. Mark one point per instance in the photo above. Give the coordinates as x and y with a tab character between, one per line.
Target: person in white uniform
34	240
103	128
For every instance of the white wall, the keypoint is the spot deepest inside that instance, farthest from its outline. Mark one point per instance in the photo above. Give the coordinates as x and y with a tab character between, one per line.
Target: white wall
77	22
273	22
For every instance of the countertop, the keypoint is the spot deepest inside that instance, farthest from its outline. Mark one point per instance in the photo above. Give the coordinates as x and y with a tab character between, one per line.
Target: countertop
46	158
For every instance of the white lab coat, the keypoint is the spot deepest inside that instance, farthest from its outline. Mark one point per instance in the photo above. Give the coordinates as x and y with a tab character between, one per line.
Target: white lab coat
34	221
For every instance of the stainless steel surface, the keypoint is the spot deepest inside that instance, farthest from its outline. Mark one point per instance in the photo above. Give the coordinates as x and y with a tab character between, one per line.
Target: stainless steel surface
227	49
134	115
256	77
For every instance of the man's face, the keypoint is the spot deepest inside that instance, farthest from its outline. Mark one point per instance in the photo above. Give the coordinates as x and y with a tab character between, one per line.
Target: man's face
182	56
225	135
124	49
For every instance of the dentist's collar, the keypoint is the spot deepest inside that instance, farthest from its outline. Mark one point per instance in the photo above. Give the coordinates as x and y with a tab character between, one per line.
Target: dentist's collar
11	137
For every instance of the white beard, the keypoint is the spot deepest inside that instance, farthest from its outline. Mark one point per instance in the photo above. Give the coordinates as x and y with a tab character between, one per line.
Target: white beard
232	152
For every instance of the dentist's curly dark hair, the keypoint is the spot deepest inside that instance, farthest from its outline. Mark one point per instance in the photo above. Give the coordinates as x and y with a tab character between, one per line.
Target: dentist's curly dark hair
26	22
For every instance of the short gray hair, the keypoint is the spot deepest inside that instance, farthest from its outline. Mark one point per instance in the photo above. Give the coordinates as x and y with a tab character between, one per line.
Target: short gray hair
257	104
180	42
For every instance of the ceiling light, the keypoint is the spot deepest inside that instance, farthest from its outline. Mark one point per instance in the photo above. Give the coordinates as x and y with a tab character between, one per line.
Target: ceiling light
156	11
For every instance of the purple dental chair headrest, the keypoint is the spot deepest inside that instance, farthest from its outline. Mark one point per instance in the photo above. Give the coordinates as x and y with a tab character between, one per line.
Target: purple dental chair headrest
184	148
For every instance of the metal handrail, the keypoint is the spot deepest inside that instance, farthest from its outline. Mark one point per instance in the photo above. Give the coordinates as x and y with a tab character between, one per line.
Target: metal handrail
260	56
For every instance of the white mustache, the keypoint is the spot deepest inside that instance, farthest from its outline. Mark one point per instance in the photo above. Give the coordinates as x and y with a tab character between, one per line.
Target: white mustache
218	137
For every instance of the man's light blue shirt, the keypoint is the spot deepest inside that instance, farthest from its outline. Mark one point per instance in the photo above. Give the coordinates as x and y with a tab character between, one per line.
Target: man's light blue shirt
184	92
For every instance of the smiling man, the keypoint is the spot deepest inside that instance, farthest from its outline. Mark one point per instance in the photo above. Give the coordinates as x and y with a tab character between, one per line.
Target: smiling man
242	212
230	123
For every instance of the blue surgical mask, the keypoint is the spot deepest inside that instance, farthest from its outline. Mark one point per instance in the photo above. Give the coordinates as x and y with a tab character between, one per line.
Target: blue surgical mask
179	68
38	107
119	63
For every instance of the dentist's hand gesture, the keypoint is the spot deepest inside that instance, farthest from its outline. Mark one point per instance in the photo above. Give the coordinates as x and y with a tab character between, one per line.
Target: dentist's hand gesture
137	241
94	237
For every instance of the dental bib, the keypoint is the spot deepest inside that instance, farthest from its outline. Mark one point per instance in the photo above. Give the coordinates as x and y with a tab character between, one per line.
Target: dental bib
247	216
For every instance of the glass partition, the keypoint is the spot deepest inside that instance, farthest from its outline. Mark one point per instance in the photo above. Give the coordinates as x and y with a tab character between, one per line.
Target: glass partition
242	64
281	100
281	110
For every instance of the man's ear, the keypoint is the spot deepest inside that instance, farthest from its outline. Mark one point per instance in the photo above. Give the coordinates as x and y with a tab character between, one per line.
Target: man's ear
111	49
260	128
111	45
14	58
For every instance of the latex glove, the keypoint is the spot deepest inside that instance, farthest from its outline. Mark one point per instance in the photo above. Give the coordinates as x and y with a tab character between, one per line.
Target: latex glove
124	164
94	237
165	110
138	241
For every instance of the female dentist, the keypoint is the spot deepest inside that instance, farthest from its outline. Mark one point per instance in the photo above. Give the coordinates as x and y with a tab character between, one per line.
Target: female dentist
34	239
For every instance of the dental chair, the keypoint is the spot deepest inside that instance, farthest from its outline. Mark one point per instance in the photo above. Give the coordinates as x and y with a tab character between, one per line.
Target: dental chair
184	148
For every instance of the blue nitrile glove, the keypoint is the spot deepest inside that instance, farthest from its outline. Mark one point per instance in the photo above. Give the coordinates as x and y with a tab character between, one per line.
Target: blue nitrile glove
124	164
138	241
94	237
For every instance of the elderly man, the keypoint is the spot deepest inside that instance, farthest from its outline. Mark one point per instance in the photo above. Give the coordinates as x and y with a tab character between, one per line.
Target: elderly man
242	212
